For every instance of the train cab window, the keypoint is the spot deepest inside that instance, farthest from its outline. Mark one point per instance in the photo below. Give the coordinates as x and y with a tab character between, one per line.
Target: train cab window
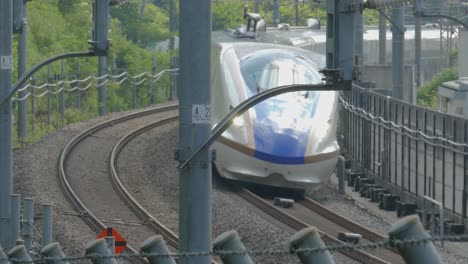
271	68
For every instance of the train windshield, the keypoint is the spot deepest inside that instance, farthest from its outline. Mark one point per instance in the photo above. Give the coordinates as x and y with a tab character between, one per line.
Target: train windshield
272	68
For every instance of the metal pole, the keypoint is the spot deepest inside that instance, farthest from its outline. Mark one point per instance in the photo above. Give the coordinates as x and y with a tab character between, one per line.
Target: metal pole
230	241
171	24
296	9
153	82
398	36
276	14
33	105
49	106
195	180
46	224
78	84
382	39
359	48
417	41
410	228
6	148
341	174
102	70
22	64
62	95
156	245
110	241
134	96
15	216
257	3
28	222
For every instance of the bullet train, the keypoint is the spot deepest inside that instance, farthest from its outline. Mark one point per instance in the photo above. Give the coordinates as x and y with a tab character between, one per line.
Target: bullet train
285	141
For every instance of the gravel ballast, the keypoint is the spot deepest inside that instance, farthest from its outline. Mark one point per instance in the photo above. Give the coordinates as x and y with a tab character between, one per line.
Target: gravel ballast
153	180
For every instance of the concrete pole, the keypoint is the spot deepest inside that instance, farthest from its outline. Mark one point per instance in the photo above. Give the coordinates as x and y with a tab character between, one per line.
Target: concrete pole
276	14
28	222
410	228
102	253
3	256
230	241
309	237
20	254
22	65
46	224
382	39
53	250
417	41
398	47
155	245
358	41
195	180
102	70
171	24
6	147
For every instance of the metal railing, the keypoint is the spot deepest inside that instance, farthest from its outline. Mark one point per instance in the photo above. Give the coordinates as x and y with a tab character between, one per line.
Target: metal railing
414	150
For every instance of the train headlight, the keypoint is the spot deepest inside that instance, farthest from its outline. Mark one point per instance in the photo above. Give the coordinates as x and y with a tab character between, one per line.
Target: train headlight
238	121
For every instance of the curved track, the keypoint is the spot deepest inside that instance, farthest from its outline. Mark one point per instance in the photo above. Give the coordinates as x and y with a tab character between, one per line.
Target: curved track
297	224
73	178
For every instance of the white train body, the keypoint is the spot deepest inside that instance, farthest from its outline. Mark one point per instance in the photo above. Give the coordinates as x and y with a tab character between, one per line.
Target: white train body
286	141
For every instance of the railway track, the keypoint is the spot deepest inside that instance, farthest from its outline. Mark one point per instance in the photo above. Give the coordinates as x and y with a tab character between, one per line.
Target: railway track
69	185
297	224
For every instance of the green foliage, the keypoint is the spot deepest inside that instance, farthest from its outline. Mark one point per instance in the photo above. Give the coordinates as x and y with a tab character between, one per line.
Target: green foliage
427	94
59	26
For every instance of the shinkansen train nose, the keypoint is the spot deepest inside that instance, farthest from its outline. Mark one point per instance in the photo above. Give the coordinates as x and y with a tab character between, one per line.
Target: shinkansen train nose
286	147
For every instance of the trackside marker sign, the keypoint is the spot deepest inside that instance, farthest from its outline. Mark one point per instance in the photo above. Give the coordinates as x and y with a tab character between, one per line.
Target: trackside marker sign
120	243
201	114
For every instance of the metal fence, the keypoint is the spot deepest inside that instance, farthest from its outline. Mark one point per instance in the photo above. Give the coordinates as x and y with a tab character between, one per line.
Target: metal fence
410	149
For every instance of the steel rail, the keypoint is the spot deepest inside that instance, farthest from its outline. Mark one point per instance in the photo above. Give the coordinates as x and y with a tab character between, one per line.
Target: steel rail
297	224
71	196
129	200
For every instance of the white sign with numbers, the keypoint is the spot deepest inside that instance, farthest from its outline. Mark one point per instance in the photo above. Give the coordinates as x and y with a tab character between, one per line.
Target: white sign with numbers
201	114
6	62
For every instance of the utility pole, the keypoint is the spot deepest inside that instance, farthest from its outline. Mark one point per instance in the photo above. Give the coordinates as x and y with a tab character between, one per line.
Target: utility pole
100	34
257	3
417	40
19	27
194	129
398	47
296	8
6	149
359	48
382	38
276	14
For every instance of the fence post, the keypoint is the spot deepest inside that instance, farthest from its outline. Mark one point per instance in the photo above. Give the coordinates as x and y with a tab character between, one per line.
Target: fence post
78	85
3	257
28	222
153	82
134	95
410	228
230	241
46	224
53	250
48	95
15	216
19	254
341	174
156	245
33	104
309	238
62	95
99	253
